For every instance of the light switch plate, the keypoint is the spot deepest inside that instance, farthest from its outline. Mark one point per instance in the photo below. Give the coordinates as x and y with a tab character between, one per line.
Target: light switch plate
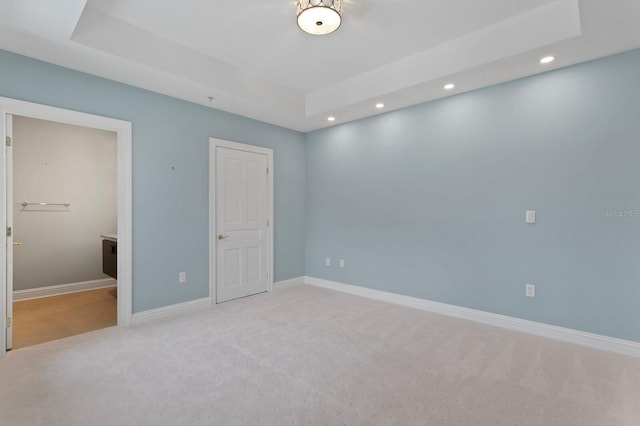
530	216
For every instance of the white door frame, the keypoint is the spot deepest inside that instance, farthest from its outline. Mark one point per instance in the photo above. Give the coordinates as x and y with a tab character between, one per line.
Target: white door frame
213	144
123	131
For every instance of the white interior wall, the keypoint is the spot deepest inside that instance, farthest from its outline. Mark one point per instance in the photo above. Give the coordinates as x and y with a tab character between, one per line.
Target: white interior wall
61	163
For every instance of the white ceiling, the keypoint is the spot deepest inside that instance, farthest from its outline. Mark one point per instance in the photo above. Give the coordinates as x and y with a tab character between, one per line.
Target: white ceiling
252	58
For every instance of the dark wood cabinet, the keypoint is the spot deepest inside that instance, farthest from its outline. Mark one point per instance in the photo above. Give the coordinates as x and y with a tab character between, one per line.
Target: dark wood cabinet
110	258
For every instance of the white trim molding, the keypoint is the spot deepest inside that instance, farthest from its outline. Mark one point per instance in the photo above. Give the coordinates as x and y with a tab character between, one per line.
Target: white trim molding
56	290
196	305
170	311
597	341
123	130
288	283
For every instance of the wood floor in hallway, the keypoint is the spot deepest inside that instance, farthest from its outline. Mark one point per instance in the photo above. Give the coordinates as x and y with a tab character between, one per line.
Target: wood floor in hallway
51	318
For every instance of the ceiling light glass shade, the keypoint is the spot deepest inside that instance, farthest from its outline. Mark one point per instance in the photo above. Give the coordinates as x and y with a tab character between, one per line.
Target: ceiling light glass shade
319	17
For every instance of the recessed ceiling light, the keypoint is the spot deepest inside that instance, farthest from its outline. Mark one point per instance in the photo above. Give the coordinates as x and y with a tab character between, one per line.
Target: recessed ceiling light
547	59
449	86
331	118
379	105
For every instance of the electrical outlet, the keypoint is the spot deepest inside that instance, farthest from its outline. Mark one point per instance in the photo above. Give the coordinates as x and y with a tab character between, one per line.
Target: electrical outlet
530	216
342	263
327	261
530	290
182	277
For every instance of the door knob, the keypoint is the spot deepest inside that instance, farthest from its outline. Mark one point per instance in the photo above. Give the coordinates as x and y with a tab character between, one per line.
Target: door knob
17	243
222	237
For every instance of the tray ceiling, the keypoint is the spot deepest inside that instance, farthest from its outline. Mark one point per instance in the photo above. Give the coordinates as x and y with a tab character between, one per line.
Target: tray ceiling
254	61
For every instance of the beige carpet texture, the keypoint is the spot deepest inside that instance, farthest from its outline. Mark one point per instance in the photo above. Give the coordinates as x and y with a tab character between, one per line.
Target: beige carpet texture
311	356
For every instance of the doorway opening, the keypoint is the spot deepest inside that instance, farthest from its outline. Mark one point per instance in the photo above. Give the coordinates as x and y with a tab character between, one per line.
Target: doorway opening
64	229
88	219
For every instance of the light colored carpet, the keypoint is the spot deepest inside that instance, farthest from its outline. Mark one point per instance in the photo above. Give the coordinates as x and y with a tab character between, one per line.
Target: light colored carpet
310	356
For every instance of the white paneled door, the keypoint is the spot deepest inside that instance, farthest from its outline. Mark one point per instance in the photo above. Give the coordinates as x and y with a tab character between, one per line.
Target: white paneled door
242	223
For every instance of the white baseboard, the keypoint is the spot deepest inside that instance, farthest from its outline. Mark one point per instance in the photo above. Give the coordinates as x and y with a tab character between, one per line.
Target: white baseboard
597	341
288	283
195	305
170	311
56	290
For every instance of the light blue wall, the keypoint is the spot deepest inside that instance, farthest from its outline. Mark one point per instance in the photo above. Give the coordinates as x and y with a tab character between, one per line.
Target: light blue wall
170	207
429	201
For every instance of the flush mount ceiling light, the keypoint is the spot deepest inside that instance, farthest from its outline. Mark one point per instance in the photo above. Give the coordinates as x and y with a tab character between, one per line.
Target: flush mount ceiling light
449	86
319	17
547	60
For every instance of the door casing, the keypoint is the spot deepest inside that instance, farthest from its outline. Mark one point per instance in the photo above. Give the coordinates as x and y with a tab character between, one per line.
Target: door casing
213	144
8	218
123	135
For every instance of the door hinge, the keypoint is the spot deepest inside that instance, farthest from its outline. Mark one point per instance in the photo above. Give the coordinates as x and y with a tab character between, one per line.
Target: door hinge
267	223
8	322
9	231
267	170
8	140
